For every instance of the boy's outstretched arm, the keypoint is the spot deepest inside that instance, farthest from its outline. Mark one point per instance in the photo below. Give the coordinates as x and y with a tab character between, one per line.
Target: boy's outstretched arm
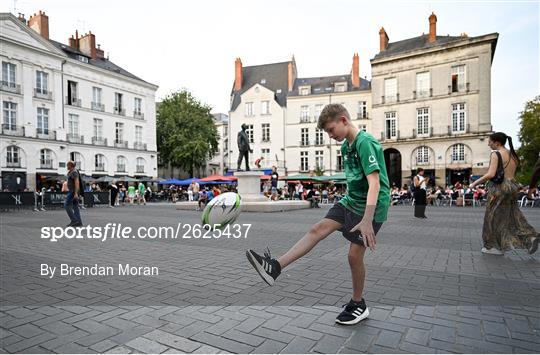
366	225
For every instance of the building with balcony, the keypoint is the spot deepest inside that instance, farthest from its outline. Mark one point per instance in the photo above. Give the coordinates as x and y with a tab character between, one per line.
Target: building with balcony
431	101
64	102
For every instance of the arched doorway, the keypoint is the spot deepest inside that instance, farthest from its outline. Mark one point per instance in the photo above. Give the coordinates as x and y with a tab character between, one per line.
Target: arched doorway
392	158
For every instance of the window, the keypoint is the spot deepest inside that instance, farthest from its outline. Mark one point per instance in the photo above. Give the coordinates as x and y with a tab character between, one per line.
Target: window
249	132
99	162
422	84
362	127
362	109
265	154
390	89
458	117
98	129
82	58
140	165
72	95
42	121
42	82
8	74
77	159
339	161
118	104
265	107
46	159
304	113
13	156
266	132
458	78
422	120
458	153
96	95
390	132
340	88
73	126
138	134
10	116
319	136
137	106
249	109
121	164
304	90
304	163
119	133
319	163
318	109
422	155
304	134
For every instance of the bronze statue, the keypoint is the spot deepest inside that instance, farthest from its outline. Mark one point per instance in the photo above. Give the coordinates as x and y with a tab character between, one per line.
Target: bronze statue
243	147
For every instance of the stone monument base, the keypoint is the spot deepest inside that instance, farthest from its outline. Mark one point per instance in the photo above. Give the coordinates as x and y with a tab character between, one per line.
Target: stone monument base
249	186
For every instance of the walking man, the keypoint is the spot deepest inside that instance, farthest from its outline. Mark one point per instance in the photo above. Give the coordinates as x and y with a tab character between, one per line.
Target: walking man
72	199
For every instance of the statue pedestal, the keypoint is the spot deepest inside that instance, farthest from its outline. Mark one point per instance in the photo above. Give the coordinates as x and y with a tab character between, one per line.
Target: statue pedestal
249	186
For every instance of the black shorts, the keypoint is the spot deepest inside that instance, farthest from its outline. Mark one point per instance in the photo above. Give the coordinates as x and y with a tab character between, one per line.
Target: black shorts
348	220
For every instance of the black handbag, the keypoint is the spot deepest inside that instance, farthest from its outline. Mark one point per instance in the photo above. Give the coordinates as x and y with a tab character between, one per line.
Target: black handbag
499	175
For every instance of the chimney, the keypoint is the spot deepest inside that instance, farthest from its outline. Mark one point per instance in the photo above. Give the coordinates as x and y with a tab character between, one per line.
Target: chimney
383	40
21	18
87	45
355	72
237	74
99	52
39	23
432	28
74	41
291	74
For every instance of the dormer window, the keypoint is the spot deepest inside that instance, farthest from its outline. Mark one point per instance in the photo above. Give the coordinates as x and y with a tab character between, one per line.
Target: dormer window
340	87
82	58
304	90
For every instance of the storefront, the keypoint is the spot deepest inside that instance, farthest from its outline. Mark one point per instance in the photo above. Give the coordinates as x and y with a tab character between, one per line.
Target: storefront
14	181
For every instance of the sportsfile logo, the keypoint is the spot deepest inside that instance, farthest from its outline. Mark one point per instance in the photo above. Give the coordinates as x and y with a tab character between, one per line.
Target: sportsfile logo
118	231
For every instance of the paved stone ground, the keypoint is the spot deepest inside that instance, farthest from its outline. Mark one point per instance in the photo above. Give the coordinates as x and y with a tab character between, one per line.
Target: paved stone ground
428	287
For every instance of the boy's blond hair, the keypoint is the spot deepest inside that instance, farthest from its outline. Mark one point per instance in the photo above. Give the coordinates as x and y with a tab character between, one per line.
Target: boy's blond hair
331	112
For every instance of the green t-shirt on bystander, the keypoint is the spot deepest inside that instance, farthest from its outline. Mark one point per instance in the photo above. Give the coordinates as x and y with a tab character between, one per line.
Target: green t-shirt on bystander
363	157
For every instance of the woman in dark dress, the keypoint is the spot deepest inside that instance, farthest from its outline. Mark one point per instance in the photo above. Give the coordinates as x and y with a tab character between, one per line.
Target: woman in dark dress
505	227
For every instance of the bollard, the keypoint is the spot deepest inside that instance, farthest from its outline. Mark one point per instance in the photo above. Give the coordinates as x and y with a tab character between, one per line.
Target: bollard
42	199
35	202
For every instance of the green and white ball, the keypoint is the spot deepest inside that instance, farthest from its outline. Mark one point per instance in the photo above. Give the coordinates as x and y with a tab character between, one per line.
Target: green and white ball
222	210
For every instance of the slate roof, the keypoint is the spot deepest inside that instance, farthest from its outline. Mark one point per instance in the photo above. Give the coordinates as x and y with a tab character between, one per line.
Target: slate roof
102	63
421	42
275	78
325	84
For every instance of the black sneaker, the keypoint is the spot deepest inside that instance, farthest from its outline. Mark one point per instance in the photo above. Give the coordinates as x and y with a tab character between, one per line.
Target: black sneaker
268	268
353	313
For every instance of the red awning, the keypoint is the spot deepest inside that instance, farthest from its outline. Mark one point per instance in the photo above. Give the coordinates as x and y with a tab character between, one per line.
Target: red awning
219	178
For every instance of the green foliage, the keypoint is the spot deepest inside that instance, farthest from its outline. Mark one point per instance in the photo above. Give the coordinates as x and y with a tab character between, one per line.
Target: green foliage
319	171
529	136
186	135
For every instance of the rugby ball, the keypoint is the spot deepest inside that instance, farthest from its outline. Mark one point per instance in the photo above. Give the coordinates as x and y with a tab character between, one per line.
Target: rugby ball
222	210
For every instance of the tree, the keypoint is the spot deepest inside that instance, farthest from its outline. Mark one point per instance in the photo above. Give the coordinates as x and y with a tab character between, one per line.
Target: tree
186	135
529	136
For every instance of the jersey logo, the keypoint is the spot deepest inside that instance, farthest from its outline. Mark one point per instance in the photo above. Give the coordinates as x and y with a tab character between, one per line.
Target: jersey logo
371	159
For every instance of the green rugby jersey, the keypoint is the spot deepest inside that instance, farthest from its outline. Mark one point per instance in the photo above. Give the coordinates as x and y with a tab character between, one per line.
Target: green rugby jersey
364	156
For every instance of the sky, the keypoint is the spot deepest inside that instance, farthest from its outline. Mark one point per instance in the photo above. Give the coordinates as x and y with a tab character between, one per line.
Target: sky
193	44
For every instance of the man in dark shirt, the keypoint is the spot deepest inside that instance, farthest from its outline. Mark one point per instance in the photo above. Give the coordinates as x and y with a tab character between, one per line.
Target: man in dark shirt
72	199
274	179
